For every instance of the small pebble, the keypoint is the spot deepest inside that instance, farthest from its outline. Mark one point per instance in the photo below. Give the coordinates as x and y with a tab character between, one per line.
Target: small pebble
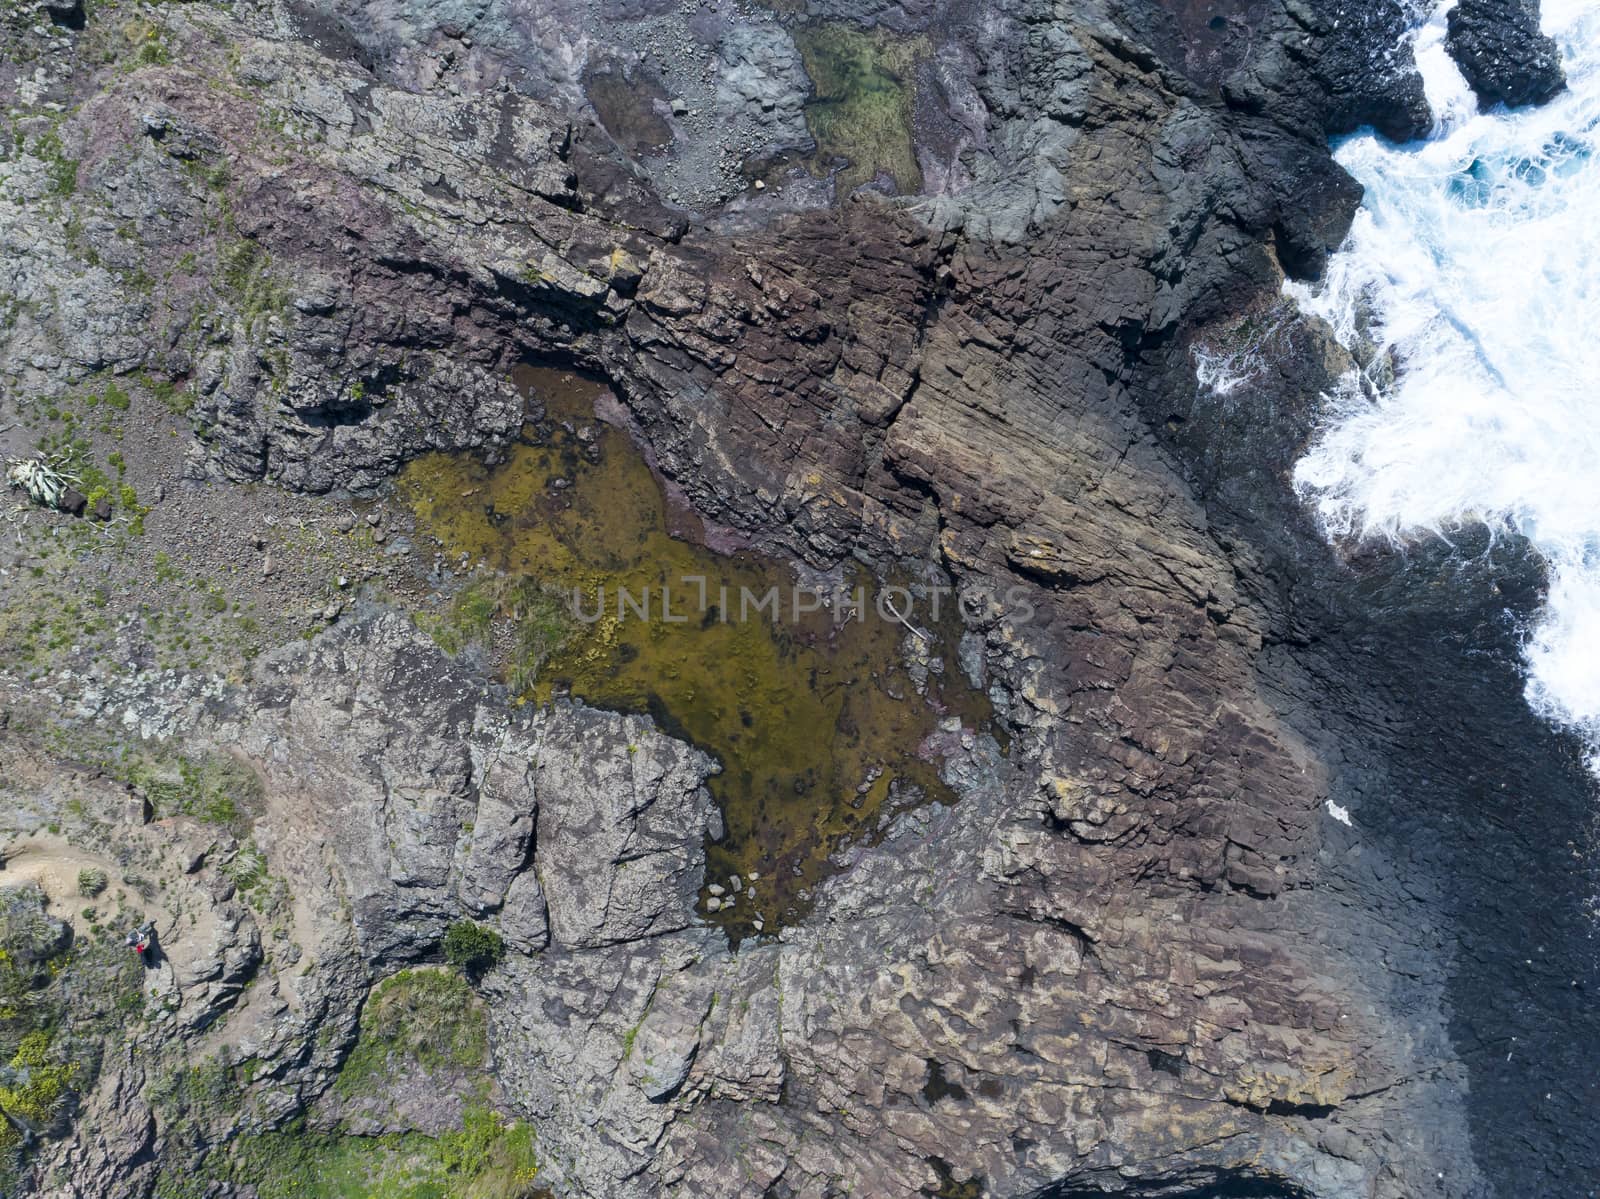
715	889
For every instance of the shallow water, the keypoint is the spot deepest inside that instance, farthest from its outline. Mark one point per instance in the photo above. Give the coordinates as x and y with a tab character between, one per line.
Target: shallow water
1472	268
819	726
861	109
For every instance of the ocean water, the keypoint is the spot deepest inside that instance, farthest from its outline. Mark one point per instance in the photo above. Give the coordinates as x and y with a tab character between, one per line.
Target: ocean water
1474	267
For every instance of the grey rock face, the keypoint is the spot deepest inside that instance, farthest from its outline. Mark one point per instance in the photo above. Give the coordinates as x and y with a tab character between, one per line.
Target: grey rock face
440	817
622	830
761	79
716	88
502	834
222	969
433	819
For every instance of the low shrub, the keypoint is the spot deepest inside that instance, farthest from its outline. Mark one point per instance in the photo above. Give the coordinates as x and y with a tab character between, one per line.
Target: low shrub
472	948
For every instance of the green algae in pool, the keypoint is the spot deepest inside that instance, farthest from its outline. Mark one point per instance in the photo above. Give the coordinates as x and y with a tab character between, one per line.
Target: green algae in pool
817	724
861	109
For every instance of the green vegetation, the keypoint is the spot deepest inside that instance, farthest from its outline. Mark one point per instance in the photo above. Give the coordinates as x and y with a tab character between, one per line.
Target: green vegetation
32	633
539	620
70	607
469	619
214	788
247	869
72	452
62	171
199	1092
416	1018
426	1019
92	881
177	402
245	271
238	264
489	1158
35	1088
143	38
165	571
862	108
472	948
196	1103
59	999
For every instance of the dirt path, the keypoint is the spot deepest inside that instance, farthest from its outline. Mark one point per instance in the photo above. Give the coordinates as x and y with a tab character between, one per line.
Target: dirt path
51	863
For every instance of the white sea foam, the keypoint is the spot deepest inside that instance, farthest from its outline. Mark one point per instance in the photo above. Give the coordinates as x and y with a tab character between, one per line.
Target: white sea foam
1226	367
1475	260
1449	95
1218	373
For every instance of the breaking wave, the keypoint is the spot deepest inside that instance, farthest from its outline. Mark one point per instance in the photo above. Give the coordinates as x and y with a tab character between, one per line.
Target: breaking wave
1470	288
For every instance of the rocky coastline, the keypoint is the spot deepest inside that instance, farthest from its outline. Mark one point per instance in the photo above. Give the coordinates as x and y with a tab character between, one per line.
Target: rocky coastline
916	287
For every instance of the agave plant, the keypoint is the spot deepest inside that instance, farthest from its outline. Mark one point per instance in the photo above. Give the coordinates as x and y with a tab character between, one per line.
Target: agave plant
40	479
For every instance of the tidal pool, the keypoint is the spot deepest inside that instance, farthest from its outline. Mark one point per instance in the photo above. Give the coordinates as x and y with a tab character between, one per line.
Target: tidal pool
861	109
820	725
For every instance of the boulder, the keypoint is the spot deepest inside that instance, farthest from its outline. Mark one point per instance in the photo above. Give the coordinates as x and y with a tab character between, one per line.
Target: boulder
1503	53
